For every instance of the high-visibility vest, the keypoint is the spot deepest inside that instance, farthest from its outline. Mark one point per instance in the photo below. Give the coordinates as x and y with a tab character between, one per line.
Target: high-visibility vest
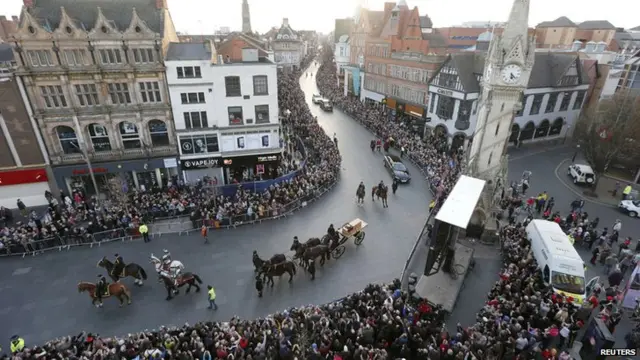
143	229
17	345
212	294
627	190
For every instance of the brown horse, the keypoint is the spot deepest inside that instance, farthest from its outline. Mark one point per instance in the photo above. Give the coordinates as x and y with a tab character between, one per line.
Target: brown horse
381	193
300	248
258	262
116	289
131	269
271	270
311	253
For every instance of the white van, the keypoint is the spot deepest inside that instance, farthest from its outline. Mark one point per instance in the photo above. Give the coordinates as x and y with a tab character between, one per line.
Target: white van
560	264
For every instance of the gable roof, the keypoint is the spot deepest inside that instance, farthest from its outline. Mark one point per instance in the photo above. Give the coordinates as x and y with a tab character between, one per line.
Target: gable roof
286	33
425	22
562	21
596	25
342	27
188	51
85	13
224	47
548	69
376	22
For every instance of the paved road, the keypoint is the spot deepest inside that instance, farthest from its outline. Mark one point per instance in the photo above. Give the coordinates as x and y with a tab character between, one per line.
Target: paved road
542	163
39	300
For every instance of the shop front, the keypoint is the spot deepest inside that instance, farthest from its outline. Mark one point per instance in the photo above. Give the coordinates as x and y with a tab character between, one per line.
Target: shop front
240	169
135	174
27	185
202	169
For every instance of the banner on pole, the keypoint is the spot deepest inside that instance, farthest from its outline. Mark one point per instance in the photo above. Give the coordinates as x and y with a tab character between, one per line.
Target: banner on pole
356	81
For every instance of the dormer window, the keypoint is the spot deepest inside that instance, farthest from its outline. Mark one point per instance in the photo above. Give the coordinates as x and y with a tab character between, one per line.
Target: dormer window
104	29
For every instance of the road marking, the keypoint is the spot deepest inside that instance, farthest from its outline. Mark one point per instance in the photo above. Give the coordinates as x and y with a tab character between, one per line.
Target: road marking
563	182
21	271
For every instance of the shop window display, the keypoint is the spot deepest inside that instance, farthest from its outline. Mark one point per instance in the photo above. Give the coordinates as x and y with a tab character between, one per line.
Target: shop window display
130	135
68	140
99	138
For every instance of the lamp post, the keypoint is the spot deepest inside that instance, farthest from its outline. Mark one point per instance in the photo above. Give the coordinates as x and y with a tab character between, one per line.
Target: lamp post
573	158
85	156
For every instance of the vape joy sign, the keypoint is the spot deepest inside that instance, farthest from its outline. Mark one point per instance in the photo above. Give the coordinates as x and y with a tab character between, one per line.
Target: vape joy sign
201	163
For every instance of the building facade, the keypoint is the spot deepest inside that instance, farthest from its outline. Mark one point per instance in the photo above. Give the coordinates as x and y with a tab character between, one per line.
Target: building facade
551	103
341	57
400	57
562	32
95	81
24	170
624	74
287	47
227	117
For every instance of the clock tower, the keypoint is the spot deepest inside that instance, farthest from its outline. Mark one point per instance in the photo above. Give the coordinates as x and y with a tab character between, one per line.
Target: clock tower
507	68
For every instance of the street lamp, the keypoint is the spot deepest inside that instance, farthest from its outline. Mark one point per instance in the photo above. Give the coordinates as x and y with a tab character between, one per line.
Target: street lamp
85	156
573	158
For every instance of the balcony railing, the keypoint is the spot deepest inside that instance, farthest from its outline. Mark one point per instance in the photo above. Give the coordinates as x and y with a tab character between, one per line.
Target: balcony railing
117	154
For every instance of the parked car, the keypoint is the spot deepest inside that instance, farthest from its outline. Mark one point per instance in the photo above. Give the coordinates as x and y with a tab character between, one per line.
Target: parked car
581	174
630	207
326	105
316	99
397	169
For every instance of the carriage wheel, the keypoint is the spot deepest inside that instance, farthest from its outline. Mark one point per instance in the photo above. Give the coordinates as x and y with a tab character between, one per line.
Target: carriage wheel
359	238
337	252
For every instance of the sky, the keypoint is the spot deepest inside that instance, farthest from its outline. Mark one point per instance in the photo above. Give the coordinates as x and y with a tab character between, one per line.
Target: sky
206	16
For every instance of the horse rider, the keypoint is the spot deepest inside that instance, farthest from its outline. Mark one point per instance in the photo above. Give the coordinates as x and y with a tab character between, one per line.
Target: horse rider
166	258
333	234
381	186
101	288
118	266
296	242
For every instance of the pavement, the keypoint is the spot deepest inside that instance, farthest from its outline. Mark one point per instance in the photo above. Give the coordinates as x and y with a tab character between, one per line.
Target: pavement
40	302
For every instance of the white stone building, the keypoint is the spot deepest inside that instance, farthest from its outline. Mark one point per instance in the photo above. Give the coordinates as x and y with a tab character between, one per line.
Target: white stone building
226	113
552	101
287	47
342	56
93	72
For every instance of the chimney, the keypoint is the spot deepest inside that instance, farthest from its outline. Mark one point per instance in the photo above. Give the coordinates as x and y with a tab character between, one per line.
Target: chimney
28	3
160	4
591	47
601	46
577	45
249	55
285	22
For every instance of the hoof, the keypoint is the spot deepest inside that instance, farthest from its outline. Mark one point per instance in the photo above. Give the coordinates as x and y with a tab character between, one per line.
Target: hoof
168	298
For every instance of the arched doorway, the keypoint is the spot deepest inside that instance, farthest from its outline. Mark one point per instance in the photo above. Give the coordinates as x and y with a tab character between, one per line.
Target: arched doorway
68	139
440	131
556	127
515	133
543	129
528	131
158	133
458	141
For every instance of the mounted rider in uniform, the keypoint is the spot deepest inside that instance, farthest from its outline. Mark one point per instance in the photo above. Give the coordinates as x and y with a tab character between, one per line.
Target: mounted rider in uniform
118	266
167	265
101	288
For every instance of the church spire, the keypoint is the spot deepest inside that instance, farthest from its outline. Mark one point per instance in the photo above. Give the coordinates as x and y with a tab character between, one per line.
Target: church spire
517	27
246	17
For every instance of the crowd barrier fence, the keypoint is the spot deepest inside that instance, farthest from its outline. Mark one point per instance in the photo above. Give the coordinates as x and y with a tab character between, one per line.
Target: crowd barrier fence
180	223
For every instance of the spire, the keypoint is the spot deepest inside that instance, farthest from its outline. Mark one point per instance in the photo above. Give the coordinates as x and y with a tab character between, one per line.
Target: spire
517	27
246	17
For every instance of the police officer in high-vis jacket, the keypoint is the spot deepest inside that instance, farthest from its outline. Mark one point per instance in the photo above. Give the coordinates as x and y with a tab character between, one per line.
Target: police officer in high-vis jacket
17	344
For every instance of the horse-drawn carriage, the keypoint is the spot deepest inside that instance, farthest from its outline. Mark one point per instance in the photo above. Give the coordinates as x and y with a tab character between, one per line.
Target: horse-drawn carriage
351	230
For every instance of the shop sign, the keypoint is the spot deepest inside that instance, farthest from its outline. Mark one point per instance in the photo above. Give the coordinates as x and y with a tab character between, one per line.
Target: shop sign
267	158
99	170
200	163
260	169
445	92
18	177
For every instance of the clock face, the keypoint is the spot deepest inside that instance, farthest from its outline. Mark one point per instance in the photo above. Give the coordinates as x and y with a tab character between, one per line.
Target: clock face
511	73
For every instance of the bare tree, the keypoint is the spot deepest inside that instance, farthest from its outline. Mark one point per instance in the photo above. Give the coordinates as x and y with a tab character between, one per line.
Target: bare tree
609	132
117	189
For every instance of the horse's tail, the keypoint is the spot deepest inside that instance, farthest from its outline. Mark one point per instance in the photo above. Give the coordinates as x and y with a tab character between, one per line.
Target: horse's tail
195	276
142	272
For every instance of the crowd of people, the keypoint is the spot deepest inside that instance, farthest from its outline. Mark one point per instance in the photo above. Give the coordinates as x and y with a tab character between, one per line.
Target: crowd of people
76	218
521	318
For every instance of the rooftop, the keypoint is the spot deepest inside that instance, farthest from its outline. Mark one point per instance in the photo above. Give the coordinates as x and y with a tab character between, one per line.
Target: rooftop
191	51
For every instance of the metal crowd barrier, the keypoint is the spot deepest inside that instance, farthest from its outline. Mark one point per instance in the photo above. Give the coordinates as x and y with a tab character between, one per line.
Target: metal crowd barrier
185	226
